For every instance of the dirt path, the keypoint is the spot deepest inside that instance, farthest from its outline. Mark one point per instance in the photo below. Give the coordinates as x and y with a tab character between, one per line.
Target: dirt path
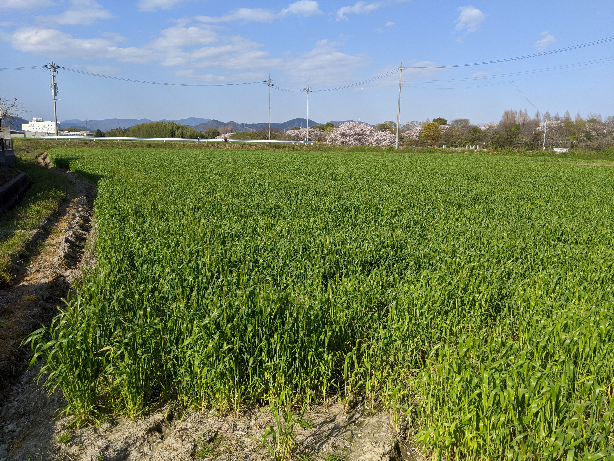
26	415
31	426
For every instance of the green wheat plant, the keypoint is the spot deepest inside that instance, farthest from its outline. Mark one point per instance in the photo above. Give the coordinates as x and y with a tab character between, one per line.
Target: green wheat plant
469	295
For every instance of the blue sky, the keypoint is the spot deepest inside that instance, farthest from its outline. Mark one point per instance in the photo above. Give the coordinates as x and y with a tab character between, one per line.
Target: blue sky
306	42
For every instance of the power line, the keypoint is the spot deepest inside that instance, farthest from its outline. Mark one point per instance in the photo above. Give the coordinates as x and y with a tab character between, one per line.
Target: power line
525	97
518	58
342	87
498	61
68	69
158	83
530	73
22	68
525	72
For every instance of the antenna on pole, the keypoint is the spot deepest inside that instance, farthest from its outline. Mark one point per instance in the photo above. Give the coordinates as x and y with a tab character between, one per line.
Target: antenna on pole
308	90
269	84
399	108
54	93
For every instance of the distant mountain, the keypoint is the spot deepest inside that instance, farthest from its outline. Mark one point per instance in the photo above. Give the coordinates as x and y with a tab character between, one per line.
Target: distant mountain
340	122
217	125
103	125
16	123
200	124
109	124
191	121
295	122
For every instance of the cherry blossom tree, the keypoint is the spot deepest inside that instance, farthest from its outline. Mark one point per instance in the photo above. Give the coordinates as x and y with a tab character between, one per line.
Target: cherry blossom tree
360	134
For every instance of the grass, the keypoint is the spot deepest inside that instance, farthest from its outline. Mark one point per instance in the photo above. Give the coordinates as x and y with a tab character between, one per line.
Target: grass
64	437
40	202
204	451
470	293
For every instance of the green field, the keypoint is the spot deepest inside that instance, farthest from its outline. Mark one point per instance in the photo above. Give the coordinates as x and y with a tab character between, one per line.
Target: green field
470	294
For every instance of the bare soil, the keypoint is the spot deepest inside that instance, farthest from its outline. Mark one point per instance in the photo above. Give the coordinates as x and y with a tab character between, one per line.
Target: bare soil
32	425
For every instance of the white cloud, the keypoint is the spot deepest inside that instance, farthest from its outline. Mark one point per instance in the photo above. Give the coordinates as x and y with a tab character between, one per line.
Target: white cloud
388	25
469	19
82	12
324	65
546	40
194	50
236	53
180	36
202	47
155	5
358	8
24	4
242	14
302	8
55	44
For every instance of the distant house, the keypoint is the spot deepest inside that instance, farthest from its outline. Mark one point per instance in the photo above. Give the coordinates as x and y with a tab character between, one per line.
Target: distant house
37	125
7	154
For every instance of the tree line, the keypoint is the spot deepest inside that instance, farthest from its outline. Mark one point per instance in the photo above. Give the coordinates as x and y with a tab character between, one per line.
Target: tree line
516	129
160	130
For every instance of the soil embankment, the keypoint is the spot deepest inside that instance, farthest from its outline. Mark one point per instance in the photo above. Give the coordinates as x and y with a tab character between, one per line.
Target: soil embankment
32	299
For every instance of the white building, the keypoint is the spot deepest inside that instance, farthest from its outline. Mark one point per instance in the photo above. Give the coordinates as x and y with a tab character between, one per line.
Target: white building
38	126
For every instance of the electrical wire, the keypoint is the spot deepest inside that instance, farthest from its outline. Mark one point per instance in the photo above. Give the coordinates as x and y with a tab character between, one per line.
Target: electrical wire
22	68
526	75
342	87
158	83
544	53
350	85
517	58
526	72
525	96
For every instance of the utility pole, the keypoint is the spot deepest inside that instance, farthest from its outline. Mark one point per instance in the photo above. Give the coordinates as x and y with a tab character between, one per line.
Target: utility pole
54	92
269	84
545	131
308	90
399	108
